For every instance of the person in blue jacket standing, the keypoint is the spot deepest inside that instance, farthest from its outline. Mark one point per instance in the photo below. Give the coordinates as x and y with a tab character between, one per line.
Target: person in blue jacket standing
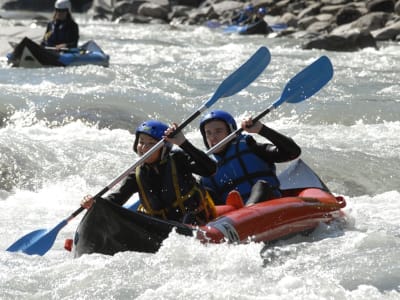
243	162
62	31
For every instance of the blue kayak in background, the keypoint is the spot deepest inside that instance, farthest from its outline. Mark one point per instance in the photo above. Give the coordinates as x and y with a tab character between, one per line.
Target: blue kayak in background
260	27
28	54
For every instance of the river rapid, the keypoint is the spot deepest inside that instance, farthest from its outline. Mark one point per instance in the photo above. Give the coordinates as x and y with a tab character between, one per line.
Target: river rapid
67	132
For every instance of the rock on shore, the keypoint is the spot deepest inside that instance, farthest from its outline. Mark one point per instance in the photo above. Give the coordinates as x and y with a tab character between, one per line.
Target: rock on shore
337	25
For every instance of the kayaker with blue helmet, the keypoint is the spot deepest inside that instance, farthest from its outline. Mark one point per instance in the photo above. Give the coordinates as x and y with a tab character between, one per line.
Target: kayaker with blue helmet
62	31
257	24
243	162
165	182
243	15
260	14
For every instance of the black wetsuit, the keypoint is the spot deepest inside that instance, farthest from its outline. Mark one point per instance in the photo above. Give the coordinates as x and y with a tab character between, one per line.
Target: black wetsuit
282	149
190	160
61	32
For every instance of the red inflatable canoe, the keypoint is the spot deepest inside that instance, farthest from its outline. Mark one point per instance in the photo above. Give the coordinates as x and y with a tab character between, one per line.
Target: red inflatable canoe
108	228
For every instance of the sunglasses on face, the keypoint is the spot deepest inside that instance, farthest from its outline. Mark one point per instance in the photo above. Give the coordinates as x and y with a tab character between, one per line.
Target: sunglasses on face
61	10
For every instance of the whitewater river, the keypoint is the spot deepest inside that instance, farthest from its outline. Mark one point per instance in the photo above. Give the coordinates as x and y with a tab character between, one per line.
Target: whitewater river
66	132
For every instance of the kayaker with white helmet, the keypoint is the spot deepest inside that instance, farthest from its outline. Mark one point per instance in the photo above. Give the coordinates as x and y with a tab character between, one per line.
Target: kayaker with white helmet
243	162
165	182
62	31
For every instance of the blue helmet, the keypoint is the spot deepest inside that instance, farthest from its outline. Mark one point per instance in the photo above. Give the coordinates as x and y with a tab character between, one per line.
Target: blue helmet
153	128
217	115
262	11
249	8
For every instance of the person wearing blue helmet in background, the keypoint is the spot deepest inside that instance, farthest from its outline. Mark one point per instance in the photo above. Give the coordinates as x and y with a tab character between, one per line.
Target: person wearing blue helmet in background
165	182
243	15
260	14
62	32
257	24
244	164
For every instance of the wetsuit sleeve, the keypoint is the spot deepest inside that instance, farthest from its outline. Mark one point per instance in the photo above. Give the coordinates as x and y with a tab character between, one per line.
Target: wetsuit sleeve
125	191
43	43
282	149
74	36
199	162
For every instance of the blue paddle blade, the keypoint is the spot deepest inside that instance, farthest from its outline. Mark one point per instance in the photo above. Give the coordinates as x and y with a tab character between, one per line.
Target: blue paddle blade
308	82
213	24
26	240
243	76
37	242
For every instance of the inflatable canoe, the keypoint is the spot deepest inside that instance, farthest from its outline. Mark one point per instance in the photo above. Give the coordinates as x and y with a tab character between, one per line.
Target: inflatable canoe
28	54
108	228
260	27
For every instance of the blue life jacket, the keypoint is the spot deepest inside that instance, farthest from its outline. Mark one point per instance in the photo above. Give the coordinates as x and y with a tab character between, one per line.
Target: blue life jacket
240	169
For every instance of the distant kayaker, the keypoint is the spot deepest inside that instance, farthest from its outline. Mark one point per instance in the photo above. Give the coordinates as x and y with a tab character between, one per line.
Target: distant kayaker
243	15
257	16
257	23
165	182
62	31
243	162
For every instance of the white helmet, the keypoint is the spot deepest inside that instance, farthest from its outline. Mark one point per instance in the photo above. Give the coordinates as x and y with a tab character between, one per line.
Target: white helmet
62	4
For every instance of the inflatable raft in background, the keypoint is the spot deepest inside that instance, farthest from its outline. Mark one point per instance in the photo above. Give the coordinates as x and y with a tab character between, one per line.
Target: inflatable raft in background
260	27
108	228
28	54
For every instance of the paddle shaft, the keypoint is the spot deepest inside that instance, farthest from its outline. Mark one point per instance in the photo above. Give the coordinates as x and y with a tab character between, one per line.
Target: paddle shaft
14	44
62	49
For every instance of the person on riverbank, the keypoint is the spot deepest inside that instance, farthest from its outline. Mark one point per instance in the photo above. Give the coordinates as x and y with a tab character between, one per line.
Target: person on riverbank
165	182
243	162
62	32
